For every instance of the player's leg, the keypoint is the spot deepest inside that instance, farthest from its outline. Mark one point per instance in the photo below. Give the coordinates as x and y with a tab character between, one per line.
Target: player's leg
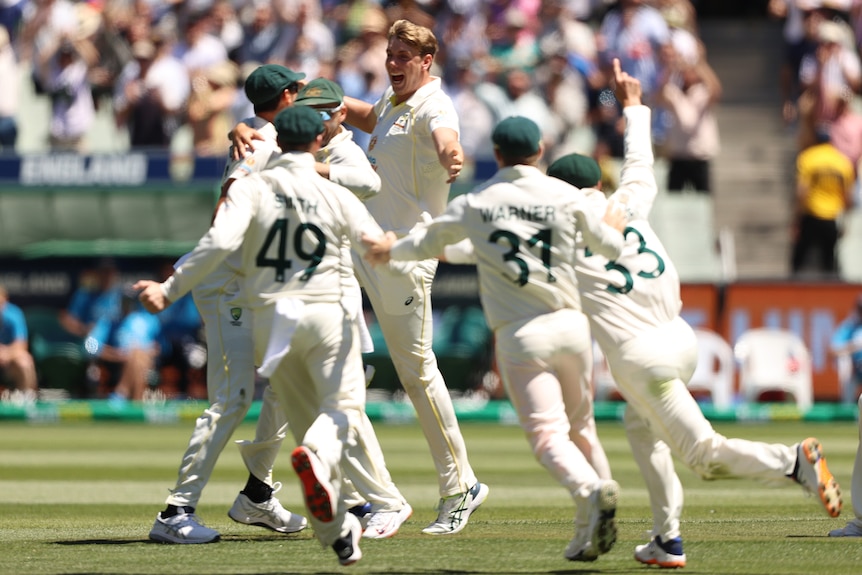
367	477
230	388
650	371
524	356
324	344
655	462
854	526
402	307
574	371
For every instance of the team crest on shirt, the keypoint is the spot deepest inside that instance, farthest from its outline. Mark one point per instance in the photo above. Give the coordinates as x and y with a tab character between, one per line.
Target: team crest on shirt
399	126
236	314
372	143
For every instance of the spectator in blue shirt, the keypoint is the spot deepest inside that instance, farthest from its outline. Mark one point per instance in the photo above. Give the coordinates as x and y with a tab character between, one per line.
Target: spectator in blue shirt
16	364
127	346
96	297
846	345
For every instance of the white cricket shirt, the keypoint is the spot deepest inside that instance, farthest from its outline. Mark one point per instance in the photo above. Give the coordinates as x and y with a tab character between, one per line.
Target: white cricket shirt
638	290
402	151
523	225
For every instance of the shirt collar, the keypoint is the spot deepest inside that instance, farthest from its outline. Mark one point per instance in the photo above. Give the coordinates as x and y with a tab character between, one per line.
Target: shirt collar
420	94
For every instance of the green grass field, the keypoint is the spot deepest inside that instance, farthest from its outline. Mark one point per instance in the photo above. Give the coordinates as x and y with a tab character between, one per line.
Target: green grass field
81	498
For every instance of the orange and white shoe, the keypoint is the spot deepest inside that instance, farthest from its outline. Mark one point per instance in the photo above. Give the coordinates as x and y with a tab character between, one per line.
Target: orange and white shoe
665	554
814	476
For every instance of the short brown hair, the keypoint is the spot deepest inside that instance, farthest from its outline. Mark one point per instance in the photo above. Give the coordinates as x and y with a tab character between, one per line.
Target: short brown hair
419	37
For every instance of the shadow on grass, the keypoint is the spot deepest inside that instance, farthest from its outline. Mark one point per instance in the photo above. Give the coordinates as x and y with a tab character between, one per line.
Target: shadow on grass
224	539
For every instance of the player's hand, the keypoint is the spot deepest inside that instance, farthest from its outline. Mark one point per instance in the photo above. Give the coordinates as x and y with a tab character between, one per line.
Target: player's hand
242	139
626	88
151	296
615	216
455	163
378	247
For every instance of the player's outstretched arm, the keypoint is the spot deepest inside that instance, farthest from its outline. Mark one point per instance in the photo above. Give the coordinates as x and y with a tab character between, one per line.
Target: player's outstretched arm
360	114
450	154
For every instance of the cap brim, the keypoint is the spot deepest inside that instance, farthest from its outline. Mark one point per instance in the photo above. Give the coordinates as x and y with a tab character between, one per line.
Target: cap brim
317	102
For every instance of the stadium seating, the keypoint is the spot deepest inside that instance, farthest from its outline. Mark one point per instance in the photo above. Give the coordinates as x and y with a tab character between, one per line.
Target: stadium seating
715	369
684	222
774	360
61	362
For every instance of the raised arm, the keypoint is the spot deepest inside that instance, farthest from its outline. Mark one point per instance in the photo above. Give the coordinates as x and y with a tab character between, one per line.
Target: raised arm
360	114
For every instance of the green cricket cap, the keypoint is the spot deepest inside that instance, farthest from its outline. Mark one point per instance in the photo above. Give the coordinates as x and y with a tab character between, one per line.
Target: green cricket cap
320	92
298	125
267	82
576	169
517	136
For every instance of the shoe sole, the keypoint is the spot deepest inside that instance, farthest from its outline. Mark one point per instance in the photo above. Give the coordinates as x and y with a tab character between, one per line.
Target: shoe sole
605	533
246	520
317	497
662	564
160	538
827	488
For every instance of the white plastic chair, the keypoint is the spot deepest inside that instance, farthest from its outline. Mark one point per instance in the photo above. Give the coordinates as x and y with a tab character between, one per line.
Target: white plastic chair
715	367
774	360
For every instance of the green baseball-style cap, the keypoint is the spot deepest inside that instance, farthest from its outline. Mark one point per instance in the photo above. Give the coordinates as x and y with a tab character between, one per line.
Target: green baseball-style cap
267	82
576	169
298	125
517	136
320	92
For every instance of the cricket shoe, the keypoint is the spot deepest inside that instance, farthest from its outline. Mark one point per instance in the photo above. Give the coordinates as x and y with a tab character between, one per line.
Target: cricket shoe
665	554
852	529
182	528
347	547
385	524
601	532
270	514
315	485
454	511
814	476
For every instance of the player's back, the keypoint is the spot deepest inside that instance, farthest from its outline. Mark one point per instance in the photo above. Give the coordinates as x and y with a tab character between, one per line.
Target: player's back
300	221
522	227
635	292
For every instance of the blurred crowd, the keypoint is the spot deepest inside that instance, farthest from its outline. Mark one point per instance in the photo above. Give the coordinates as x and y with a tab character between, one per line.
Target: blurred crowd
164	64
821	80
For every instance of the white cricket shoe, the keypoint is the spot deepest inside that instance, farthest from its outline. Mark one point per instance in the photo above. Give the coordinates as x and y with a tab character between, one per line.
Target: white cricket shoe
182	528
316	487
454	511
270	514
852	529
385	524
600	533
347	547
665	554
815	477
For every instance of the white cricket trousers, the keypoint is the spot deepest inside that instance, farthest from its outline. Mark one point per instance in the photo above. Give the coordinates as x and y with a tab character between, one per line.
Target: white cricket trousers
856	478
662	418
545	363
402	307
320	384
230	391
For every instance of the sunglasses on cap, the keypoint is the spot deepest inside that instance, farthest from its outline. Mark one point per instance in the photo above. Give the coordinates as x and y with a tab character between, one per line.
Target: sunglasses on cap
327	114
